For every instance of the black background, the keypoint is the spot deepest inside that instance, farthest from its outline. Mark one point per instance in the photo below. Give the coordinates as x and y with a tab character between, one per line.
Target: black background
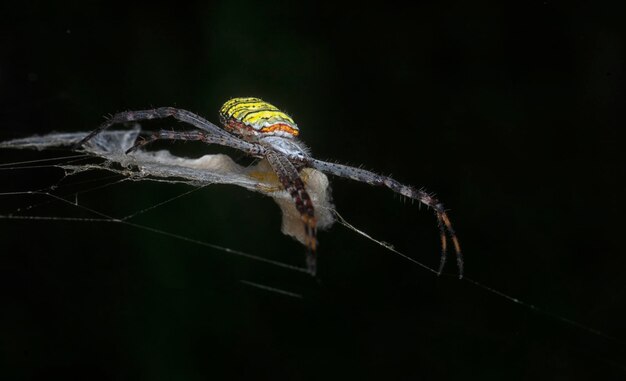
511	113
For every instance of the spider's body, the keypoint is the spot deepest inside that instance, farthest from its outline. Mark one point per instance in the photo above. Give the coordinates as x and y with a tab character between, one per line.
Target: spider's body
261	130
257	121
254	118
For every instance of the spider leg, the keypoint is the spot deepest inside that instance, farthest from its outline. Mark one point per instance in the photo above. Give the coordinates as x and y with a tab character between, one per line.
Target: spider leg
227	140
157	113
443	221
291	181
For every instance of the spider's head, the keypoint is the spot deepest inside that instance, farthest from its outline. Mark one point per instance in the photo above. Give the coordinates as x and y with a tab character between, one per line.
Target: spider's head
253	118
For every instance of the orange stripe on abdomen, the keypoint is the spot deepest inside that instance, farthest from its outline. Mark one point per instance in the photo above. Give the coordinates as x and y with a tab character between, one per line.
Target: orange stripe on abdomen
280	127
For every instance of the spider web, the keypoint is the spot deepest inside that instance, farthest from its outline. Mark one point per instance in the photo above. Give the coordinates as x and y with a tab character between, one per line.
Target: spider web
162	166
108	149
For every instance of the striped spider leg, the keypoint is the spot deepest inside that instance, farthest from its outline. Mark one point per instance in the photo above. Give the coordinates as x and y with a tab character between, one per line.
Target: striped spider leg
371	178
157	113
251	149
292	182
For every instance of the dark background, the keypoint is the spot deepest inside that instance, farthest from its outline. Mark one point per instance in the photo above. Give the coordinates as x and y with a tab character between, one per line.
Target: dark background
512	114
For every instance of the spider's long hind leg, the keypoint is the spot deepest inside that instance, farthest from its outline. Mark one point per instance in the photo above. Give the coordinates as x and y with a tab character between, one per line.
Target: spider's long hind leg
443	221
249	148
157	113
209	133
168	135
445	226
455	240
293	184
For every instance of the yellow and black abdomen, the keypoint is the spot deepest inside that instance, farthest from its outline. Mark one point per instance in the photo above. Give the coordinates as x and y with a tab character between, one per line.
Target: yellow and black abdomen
255	116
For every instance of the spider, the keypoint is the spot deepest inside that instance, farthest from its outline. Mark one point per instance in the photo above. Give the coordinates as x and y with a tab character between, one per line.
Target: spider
261	130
